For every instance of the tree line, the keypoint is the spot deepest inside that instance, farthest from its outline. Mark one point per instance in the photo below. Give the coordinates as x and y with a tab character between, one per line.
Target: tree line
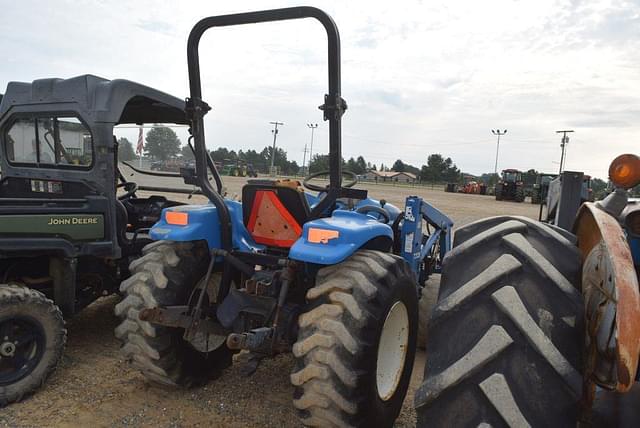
162	143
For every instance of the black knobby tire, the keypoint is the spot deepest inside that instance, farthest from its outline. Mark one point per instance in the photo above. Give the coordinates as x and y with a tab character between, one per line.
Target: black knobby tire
535	197
164	276
337	348
505	336
519	195
24	310
426	303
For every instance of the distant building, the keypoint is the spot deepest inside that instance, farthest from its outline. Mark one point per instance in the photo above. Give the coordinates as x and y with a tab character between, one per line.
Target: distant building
390	176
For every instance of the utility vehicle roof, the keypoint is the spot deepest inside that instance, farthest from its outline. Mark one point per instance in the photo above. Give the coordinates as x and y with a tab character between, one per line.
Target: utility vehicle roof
101	100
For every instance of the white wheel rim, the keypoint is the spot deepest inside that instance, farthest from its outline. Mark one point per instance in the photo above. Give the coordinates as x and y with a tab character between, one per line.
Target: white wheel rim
392	350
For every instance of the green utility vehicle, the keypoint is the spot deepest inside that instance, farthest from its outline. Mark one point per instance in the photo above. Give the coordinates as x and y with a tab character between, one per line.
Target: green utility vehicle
66	235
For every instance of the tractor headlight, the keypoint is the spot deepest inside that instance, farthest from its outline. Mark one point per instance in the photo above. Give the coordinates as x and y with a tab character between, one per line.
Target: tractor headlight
624	171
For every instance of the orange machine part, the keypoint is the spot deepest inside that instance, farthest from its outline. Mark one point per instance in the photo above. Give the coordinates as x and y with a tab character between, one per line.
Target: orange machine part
322	236
177	218
270	223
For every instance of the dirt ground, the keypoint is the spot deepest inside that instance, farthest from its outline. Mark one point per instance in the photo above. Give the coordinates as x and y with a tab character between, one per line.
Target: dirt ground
94	387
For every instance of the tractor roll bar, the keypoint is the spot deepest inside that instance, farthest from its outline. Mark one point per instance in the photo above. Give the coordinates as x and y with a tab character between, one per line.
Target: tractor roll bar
333	106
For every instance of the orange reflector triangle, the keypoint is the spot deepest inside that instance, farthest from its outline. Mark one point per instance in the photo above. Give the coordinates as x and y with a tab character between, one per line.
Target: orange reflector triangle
270	223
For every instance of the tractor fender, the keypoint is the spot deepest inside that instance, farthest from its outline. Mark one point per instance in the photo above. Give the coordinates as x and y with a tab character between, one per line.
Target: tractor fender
202	223
330	240
610	288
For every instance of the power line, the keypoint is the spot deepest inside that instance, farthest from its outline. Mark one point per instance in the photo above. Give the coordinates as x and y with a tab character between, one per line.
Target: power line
563	144
304	158
275	136
313	127
498	133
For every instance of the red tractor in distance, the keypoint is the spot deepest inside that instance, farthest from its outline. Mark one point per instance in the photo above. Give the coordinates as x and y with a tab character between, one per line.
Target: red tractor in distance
510	187
471	186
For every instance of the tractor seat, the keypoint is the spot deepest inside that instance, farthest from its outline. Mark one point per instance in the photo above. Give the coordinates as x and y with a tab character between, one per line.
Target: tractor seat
274	211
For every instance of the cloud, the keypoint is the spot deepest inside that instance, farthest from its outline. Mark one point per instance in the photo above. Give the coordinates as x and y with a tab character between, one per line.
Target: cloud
421	78
156	26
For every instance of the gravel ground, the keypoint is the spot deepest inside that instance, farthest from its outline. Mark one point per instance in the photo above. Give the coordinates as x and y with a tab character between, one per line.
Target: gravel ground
94	387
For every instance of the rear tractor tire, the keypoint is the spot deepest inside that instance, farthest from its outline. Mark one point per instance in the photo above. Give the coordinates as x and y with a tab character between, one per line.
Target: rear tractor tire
164	276
356	344
32	339
506	331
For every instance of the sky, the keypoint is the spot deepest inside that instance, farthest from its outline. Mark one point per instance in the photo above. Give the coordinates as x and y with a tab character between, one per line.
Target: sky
419	77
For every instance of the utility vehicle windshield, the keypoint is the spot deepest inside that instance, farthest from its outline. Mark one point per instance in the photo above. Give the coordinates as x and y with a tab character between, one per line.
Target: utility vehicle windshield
49	142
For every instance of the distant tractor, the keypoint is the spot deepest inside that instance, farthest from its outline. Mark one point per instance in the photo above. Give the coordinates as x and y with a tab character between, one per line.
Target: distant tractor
587	191
541	187
238	168
473	187
451	188
575	188
510	187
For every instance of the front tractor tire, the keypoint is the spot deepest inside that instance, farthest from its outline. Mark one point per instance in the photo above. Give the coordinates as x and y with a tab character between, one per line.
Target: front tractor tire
32	339
165	275
506	333
356	343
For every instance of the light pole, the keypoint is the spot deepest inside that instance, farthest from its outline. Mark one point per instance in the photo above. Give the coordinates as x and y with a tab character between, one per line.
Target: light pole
498	133
311	126
304	159
273	152
563	143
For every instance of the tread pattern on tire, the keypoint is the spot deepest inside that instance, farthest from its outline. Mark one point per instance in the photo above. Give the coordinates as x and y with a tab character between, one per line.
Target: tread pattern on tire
426	304
17	294
505	334
158	278
335	335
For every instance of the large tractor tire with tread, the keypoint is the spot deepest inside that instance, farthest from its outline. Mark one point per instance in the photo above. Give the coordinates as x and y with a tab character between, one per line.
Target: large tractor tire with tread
32	339
426	303
519	195
165	275
535	197
356	344
507	330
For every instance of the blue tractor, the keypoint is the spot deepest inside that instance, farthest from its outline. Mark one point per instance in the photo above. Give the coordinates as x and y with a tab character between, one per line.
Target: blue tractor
332	276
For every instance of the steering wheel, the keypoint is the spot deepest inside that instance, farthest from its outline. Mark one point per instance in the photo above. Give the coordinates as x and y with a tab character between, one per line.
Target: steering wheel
350	183
130	189
372	208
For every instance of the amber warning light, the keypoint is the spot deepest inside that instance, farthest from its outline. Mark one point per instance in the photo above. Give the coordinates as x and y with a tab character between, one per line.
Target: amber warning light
177	218
625	171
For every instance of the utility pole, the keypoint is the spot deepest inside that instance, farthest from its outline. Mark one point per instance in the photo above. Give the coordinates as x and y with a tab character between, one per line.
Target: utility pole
563	144
273	153
311	126
498	133
304	159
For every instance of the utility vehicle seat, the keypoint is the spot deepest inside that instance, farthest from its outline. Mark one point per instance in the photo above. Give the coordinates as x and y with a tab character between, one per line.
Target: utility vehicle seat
274	211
